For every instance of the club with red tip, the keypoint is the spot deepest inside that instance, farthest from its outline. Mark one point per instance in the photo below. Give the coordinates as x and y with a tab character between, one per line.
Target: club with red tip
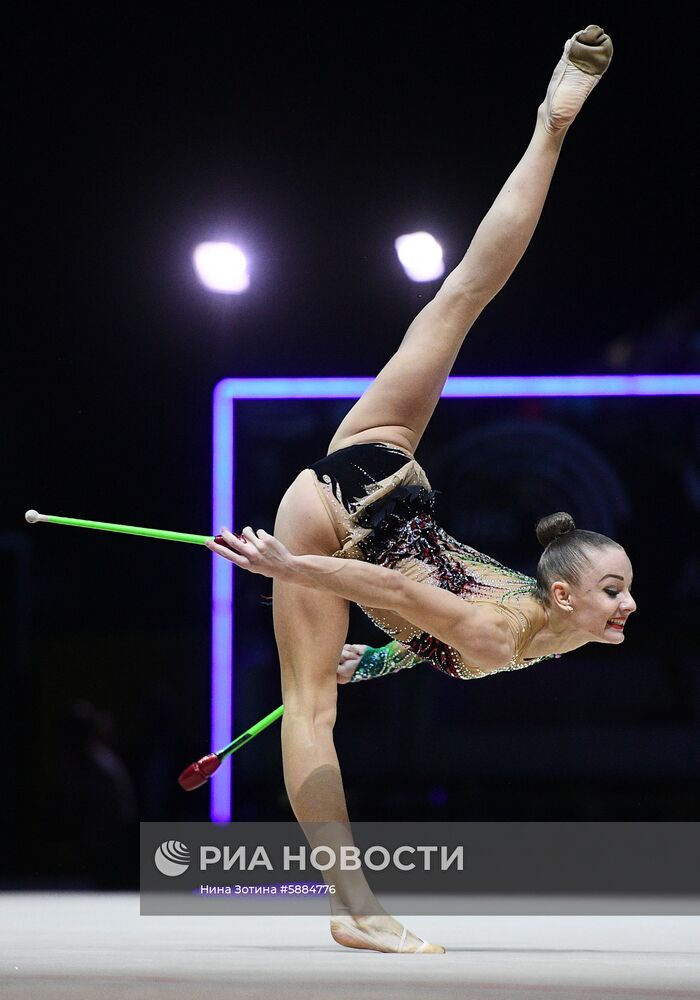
198	773
201	771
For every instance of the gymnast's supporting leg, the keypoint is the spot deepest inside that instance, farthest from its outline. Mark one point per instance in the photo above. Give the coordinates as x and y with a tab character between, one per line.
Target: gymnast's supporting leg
310	629
400	401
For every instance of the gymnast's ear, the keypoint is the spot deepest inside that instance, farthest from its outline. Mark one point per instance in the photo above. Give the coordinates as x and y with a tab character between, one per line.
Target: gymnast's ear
560	595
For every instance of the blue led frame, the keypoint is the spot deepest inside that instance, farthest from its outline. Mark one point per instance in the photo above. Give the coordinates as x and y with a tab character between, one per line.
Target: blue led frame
229	390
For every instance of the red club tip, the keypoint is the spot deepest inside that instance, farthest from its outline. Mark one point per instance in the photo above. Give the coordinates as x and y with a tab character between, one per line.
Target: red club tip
220	540
199	773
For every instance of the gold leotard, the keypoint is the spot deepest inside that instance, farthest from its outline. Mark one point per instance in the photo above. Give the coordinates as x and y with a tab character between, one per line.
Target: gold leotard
380	504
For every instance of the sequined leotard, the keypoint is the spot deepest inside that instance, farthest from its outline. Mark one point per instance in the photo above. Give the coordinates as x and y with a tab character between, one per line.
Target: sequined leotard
381	505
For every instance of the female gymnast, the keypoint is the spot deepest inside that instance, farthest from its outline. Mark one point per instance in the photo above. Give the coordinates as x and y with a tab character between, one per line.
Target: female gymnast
358	526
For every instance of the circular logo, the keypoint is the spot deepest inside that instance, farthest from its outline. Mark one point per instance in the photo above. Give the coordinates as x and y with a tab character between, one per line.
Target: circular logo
172	858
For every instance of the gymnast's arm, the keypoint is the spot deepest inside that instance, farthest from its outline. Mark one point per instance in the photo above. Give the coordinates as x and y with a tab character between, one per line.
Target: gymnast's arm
477	632
363	663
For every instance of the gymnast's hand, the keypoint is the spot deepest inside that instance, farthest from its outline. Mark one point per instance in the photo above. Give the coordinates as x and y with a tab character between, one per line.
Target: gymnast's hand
349	659
257	552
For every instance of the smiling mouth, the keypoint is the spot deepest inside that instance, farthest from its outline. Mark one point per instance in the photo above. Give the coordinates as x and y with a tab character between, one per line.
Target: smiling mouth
617	625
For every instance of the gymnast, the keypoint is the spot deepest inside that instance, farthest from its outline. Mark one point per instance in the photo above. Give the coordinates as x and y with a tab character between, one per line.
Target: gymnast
358	526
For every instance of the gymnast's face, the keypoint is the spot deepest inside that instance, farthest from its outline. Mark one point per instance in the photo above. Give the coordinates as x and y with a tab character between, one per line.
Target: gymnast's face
602	600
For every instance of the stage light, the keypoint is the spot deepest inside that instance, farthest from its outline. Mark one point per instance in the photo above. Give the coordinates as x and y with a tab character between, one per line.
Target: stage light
221	267
421	256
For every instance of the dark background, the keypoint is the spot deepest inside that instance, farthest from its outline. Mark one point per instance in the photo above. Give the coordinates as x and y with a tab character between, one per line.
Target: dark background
313	139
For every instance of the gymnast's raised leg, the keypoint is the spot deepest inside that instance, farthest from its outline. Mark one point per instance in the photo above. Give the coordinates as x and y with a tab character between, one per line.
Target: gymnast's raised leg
310	626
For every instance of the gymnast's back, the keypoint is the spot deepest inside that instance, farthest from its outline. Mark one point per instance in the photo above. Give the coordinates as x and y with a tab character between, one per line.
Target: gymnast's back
381	506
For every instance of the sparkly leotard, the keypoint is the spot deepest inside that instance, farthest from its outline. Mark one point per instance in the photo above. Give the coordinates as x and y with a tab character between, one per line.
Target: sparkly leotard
381	505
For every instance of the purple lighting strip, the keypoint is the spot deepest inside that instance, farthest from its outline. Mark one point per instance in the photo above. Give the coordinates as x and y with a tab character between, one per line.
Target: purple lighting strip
229	390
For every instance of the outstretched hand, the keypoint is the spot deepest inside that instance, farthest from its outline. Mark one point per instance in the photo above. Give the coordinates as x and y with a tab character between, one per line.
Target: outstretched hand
257	552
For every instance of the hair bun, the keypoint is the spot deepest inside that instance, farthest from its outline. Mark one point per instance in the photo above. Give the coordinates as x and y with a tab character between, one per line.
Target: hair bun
550	527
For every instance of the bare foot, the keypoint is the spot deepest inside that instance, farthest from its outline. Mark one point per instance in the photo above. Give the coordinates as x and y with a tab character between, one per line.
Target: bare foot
380	933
